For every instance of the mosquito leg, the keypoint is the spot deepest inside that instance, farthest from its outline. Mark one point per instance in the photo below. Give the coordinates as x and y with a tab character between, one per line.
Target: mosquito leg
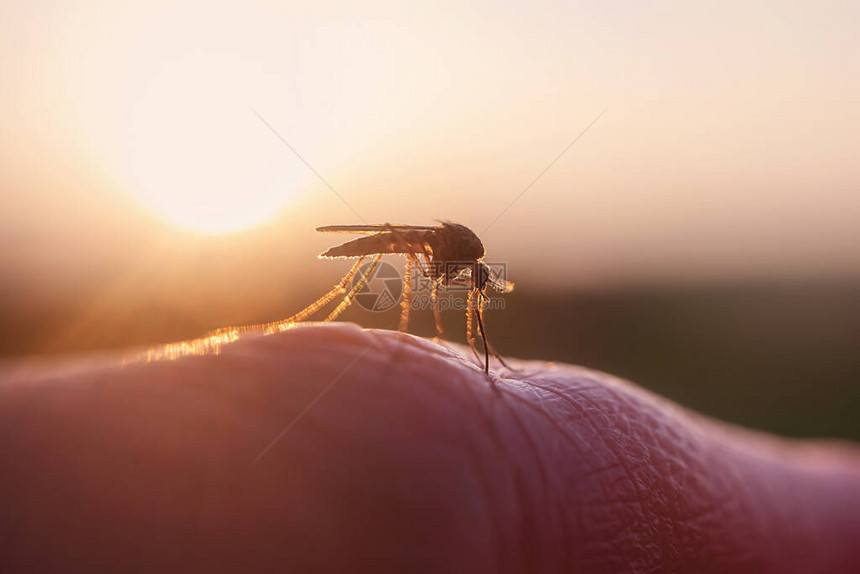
430	272
499	357
479	311
316	305
437	315
470	328
407	250
430	268
406	301
471	337
487	344
347	300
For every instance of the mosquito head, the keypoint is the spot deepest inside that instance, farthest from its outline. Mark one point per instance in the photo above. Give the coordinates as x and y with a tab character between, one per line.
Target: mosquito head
484	278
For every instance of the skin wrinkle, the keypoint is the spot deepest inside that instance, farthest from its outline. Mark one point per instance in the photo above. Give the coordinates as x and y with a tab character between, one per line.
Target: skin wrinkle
735	463
527	538
710	513
578	519
565	433
744	507
645	486
688	509
616	457
395	371
417	429
353	350
494	517
515	525
631	479
771	500
477	460
530	526
767	505
682	508
699	472
398	343
526	496
516	478
532	539
561	518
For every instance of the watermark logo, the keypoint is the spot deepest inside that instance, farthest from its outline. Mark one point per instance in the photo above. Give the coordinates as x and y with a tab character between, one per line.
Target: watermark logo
384	287
382	290
459	274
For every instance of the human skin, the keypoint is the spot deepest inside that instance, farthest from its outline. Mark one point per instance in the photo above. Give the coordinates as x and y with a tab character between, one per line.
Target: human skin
409	459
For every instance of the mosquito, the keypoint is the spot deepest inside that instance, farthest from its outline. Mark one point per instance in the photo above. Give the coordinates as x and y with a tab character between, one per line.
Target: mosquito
448	254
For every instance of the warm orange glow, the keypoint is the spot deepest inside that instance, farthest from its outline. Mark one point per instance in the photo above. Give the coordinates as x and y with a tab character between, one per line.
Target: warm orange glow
199	156
728	148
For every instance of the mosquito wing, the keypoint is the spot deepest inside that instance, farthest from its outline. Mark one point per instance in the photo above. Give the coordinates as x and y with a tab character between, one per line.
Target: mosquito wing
369	229
382	238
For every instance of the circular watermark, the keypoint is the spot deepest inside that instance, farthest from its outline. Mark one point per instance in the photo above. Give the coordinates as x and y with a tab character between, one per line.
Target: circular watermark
383	287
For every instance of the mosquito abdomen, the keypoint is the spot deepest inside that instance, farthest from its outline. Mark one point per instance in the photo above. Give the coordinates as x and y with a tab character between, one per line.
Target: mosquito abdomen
379	243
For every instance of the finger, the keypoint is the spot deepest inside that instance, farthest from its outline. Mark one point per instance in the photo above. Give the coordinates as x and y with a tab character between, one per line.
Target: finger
381	451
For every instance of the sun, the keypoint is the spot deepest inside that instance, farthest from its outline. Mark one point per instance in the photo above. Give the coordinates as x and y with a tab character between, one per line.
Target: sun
199	157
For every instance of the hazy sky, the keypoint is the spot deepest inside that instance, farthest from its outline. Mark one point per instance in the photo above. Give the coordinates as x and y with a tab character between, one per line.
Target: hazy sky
729	146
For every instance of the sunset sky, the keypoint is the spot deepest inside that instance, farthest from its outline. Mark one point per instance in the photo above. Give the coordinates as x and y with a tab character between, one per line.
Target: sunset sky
728	147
